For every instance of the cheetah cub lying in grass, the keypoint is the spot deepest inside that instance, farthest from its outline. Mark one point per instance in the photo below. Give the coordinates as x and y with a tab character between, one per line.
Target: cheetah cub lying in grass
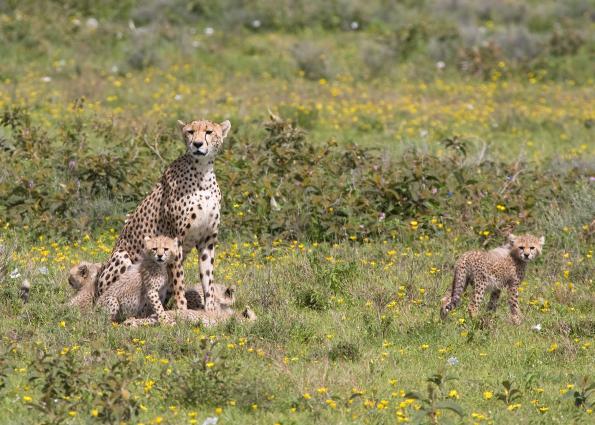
141	290
502	267
224	298
82	278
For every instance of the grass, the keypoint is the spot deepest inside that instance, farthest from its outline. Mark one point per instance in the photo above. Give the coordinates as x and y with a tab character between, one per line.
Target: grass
348	329
343	333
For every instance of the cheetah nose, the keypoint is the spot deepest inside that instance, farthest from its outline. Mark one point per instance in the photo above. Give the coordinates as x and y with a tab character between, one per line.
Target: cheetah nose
197	144
526	255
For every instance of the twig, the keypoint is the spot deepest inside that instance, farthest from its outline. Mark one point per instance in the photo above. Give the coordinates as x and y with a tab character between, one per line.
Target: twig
153	148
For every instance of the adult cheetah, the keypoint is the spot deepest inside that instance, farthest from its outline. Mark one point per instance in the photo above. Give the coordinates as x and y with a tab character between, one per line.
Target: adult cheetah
185	205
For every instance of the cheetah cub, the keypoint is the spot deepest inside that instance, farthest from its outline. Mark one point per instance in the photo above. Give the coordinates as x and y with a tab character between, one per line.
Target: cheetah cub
82	278
502	267
225	299
141	290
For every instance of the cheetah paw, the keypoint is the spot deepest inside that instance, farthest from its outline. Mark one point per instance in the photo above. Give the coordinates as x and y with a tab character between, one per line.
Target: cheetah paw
516	319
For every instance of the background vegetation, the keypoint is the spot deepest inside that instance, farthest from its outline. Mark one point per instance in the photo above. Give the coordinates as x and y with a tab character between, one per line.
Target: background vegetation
400	134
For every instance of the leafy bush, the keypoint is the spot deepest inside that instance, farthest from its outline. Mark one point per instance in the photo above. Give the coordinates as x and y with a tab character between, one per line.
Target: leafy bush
282	186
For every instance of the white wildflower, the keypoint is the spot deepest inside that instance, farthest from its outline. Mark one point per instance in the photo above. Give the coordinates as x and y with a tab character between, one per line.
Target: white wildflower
92	23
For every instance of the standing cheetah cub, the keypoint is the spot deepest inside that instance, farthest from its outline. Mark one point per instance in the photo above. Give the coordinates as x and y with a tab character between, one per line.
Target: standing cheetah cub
493	270
141	290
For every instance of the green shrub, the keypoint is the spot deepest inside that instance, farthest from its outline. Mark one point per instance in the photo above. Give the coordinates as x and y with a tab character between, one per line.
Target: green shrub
285	186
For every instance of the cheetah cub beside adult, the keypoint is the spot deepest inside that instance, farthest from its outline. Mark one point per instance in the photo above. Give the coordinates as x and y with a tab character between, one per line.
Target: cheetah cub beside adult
82	278
494	270
141	290
225	299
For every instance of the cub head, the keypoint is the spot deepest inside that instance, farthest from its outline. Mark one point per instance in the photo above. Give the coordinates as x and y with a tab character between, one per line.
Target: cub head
161	249
225	295
83	274
525	247
203	139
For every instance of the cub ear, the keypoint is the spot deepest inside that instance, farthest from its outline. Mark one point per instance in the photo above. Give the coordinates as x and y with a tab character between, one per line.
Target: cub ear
147	239
225	127
181	125
511	239
84	270
542	240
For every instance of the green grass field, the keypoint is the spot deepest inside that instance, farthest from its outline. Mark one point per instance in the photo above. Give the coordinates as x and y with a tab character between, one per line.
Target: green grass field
409	133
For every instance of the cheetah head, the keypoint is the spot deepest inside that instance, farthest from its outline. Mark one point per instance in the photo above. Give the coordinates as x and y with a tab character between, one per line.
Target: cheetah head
225	295
204	138
161	248
525	247
83	274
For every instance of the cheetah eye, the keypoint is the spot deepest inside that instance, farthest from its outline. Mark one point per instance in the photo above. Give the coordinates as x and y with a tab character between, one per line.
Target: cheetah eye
521	248
154	249
191	132
209	131
532	248
166	249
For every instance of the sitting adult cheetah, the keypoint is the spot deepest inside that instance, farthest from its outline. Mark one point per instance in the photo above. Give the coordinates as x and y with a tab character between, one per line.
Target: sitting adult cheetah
185	205
141	290
502	267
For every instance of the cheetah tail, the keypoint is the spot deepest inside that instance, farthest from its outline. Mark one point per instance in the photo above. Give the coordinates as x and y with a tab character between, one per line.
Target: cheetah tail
449	302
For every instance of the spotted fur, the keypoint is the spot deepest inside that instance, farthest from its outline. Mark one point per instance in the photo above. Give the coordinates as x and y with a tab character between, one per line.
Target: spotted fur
196	317
185	204
494	270
141	290
83	278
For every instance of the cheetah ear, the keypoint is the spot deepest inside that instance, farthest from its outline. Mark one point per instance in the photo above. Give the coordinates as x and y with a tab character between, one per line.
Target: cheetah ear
84	270
147	239
542	240
511	239
225	127
181	124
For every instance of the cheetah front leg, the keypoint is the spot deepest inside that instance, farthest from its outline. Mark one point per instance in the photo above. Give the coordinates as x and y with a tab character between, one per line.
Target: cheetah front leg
156	306
513	302
206	268
176	271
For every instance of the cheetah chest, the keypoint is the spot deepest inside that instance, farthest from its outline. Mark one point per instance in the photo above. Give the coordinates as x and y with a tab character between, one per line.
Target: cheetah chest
204	219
